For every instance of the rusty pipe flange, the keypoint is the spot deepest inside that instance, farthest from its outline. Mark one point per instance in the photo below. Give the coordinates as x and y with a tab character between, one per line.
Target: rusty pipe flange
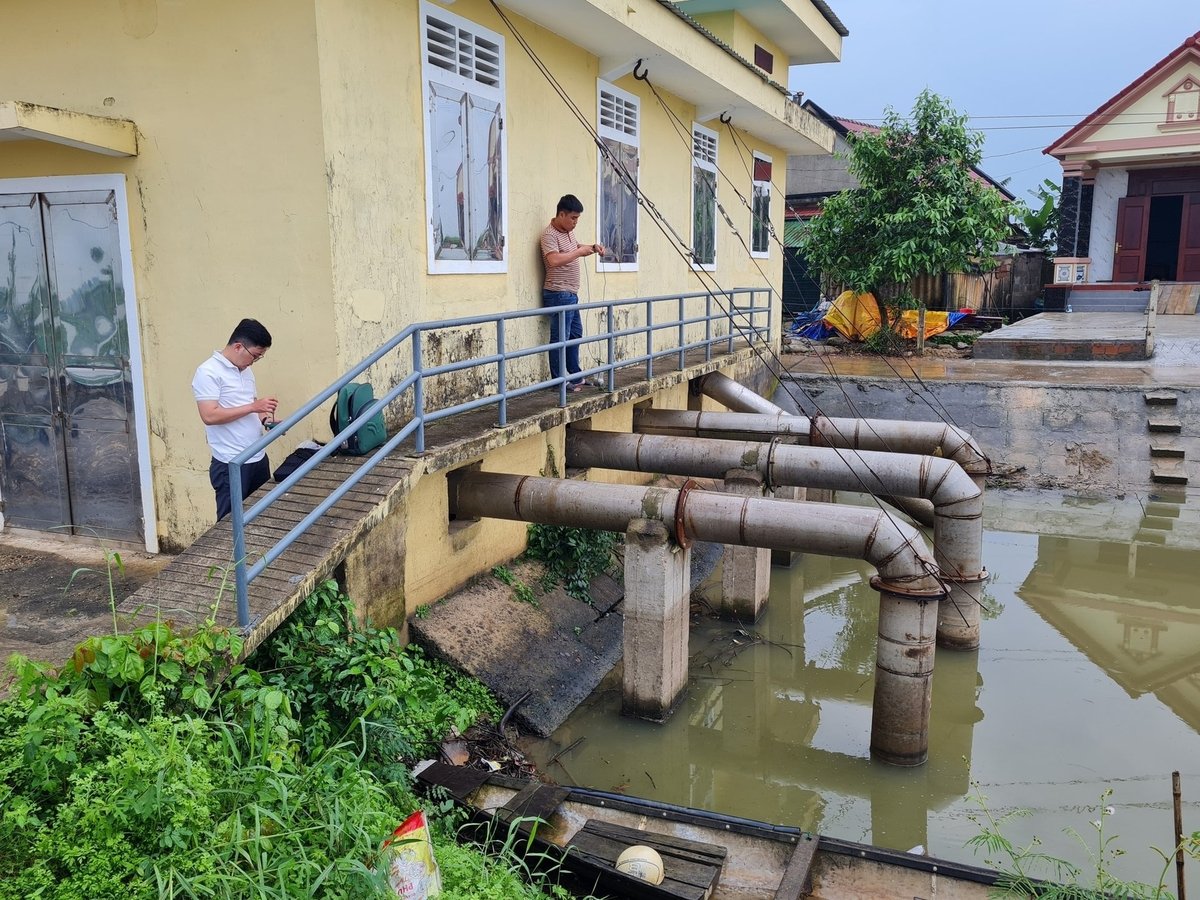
879	584
768	475
983	576
681	536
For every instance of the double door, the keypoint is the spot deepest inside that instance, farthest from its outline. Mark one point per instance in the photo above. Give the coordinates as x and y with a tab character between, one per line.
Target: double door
1176	218
67	433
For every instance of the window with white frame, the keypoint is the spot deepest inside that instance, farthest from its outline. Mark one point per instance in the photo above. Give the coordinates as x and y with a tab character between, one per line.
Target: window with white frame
618	126
704	198
760	225
462	68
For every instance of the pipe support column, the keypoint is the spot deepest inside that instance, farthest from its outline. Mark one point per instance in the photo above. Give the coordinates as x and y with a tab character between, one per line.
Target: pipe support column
655	643
745	571
903	678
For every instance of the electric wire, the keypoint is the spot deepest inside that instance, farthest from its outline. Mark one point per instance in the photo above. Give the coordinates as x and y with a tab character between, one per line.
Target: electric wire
685	252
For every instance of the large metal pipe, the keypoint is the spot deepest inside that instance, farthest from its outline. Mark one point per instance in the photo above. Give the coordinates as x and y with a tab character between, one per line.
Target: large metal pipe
908	582
956	499
958	627
896	436
896	549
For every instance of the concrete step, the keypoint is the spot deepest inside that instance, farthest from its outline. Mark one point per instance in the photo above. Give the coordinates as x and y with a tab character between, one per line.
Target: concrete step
1169	471
1165	425
1167	448
1162	509
1150	537
1156	523
1160	398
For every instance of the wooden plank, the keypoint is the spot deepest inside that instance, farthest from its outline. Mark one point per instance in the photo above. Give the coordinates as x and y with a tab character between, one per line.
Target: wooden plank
690	868
459	781
534	801
796	878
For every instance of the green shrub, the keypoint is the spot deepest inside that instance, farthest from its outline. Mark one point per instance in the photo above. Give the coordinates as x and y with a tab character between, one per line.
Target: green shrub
573	556
281	781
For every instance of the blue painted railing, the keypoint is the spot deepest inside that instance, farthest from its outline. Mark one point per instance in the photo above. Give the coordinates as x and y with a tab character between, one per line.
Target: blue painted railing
720	317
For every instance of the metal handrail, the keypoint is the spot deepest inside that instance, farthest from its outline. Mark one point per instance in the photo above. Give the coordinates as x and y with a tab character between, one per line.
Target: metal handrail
724	323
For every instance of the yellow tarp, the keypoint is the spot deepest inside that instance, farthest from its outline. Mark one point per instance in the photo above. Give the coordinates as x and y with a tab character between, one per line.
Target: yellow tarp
856	318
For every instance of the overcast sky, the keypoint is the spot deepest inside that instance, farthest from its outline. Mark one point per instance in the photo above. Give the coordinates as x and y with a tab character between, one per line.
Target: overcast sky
1026	71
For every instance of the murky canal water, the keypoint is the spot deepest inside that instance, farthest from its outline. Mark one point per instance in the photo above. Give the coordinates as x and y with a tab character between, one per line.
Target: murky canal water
1088	678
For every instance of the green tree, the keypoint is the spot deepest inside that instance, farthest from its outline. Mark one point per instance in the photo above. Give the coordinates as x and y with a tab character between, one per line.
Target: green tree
1040	221
918	209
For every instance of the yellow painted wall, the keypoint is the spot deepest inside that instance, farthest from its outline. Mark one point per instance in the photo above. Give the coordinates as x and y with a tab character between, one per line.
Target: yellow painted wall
226	195
280	175
734	30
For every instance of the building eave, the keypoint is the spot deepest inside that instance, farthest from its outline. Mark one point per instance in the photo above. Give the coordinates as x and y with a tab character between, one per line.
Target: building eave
21	121
672	53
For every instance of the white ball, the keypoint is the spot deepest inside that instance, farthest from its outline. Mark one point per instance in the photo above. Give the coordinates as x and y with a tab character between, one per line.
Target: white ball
641	862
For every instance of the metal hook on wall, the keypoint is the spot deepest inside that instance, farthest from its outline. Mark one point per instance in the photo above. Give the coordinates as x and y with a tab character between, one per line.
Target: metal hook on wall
644	74
726	118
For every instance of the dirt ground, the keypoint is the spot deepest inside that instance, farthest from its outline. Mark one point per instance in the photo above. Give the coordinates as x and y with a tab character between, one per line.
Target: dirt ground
54	593
839	346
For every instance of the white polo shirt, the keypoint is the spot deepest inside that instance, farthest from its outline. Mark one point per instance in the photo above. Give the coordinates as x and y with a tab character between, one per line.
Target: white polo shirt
218	379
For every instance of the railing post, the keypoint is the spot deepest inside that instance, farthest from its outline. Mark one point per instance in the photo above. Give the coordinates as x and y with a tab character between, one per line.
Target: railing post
237	513
649	339
708	298
611	374
501	373
732	319
418	392
682	335
560	316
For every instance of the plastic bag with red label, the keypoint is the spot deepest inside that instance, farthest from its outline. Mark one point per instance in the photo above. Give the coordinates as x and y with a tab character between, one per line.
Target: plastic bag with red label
412	870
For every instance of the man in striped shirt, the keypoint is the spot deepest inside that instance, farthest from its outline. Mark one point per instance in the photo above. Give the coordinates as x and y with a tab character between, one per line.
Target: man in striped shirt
561	253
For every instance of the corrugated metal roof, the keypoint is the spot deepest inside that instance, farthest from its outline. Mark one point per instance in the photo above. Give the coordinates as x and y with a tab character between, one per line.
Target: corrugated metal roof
831	17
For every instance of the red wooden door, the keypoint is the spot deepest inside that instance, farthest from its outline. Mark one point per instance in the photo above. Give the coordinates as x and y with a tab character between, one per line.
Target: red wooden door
1133	222
1189	239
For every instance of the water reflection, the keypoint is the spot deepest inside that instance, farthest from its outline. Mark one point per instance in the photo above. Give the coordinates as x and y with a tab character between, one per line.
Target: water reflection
1087	678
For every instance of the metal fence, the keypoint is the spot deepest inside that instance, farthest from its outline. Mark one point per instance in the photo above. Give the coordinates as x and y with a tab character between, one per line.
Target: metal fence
671	325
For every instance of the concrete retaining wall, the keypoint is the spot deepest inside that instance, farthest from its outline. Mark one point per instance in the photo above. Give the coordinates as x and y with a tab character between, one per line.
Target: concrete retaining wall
1073	437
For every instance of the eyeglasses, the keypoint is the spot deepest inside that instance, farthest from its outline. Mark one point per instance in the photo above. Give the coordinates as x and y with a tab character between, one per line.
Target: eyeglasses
254	357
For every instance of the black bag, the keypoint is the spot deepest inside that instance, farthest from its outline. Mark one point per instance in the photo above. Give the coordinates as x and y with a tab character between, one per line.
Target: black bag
352	400
293	461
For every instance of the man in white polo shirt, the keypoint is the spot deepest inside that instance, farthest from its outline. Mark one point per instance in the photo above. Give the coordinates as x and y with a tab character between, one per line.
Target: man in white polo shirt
232	412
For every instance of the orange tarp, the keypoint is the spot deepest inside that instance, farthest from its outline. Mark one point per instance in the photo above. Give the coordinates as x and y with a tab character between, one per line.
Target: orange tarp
856	318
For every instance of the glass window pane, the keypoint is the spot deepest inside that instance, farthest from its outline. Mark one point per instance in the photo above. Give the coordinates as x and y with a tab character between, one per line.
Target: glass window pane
762	218
448	144
85	275
23	321
704	215
618	203
484	201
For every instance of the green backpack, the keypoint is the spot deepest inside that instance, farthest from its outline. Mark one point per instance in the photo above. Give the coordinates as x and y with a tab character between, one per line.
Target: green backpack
352	399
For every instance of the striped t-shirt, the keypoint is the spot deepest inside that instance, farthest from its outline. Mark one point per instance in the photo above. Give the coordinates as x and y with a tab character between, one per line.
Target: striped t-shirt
565	277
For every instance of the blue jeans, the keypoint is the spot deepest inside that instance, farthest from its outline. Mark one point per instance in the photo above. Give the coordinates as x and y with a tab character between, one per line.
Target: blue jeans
574	328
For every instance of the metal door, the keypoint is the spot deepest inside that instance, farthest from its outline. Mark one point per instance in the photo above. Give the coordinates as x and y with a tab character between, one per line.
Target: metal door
66	416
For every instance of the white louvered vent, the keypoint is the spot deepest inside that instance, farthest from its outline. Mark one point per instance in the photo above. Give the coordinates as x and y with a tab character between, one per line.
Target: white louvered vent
704	146
461	51
618	113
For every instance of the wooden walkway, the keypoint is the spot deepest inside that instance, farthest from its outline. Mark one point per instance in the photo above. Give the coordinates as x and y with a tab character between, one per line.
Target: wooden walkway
199	583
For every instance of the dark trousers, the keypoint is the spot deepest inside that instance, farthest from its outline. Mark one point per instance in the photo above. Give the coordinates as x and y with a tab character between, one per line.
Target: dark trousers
574	329
254	476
